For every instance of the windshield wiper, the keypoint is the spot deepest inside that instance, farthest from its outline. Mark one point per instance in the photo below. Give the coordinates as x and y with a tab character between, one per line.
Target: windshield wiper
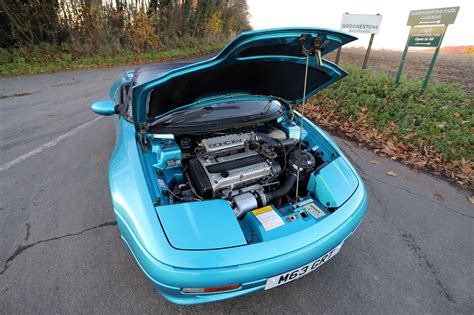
181	115
266	108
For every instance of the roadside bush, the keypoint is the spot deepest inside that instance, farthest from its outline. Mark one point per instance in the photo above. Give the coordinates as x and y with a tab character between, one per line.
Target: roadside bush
44	32
5	56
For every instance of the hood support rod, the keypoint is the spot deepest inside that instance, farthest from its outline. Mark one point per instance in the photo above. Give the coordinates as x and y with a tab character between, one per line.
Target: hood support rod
315	49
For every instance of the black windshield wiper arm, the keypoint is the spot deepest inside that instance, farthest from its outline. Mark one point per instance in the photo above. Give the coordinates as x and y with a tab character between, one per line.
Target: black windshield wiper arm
190	114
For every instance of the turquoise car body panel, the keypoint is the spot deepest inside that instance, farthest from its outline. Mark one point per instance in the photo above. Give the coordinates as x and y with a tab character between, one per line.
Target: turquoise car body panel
222	230
171	260
333	184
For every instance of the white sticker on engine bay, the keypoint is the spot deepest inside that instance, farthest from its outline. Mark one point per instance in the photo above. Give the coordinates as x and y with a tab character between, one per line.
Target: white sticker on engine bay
314	210
268	217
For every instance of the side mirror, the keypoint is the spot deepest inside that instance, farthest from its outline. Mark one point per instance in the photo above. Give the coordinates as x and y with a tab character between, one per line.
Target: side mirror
105	108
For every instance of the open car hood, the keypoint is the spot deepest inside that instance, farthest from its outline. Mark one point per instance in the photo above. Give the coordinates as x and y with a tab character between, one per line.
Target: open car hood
265	62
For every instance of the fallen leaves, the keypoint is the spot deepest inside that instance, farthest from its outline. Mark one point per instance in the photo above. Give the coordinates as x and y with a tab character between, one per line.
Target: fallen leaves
392	173
375	162
418	154
419	164
471	199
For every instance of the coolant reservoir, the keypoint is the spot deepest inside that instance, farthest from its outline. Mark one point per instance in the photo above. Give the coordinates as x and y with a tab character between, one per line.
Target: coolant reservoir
291	129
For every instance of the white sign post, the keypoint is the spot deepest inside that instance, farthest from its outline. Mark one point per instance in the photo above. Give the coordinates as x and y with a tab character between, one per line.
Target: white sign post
361	23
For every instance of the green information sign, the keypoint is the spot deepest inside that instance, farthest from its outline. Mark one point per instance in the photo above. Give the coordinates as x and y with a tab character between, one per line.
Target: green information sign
443	16
427	30
426	36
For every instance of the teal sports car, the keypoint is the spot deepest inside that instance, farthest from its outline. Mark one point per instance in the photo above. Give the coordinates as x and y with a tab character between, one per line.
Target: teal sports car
219	186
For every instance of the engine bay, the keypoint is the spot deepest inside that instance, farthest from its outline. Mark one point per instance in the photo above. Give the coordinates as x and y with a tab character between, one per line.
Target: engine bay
265	178
249	168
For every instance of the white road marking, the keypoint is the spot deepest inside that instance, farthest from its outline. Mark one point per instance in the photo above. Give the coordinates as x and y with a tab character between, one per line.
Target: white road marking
47	145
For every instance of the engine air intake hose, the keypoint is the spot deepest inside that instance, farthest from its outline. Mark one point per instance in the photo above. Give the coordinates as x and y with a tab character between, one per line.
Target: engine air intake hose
284	189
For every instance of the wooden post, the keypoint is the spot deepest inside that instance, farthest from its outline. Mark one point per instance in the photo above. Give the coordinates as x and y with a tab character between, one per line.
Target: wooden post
368	51
338	55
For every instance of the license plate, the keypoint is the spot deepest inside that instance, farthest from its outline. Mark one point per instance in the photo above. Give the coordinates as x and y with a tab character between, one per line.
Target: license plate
302	271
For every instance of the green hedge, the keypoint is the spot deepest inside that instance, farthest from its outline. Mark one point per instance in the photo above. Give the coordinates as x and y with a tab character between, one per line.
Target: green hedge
46	62
442	117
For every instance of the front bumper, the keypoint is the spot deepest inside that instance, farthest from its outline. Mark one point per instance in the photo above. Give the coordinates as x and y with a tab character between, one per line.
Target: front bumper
169	280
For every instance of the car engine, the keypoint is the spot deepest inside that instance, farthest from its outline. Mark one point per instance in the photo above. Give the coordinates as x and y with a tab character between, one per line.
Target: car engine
248	169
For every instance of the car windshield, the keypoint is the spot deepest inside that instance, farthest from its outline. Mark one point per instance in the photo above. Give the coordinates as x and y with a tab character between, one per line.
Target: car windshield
233	112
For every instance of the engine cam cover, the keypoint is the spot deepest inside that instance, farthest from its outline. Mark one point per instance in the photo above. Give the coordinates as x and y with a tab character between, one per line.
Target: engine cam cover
224	143
210	175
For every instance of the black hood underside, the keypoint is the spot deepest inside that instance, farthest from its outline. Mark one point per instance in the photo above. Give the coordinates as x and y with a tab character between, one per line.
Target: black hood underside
273	78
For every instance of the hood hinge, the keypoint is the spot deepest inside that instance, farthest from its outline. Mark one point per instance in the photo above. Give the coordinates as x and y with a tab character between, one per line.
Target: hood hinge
141	135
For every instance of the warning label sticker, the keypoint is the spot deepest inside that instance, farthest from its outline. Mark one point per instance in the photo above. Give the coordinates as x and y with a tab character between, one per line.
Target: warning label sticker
268	217
315	211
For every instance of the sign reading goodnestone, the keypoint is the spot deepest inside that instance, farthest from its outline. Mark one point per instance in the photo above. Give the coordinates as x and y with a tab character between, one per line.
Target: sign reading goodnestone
426	36
361	23
433	16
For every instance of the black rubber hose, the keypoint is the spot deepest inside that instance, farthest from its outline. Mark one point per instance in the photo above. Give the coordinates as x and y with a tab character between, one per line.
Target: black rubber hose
284	189
261	137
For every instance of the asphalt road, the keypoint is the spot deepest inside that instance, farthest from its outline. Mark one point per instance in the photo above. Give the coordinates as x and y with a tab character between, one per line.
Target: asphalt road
60	250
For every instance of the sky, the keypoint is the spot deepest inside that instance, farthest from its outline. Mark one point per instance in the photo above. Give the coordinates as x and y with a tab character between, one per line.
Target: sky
393	31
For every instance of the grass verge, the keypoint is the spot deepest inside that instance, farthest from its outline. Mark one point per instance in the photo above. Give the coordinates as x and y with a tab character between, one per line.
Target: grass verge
432	131
65	61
